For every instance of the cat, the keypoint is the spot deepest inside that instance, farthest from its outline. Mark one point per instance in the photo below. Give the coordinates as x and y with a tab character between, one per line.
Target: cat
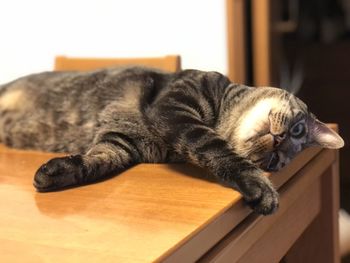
111	119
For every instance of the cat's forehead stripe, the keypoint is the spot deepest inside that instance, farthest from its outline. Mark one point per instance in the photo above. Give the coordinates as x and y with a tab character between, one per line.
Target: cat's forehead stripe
287	97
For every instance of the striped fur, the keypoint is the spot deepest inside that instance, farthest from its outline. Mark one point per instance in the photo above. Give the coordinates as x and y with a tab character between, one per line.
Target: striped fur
112	119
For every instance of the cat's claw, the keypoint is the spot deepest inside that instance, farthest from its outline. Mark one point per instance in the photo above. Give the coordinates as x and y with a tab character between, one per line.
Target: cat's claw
58	173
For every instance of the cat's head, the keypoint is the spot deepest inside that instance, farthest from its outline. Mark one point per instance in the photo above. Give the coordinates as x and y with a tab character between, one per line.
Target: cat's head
277	126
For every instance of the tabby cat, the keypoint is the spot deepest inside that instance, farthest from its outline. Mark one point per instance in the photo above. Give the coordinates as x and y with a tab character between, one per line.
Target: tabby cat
111	119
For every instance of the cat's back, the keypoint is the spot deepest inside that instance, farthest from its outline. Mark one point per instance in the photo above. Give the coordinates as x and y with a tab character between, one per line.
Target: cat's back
51	110
60	82
96	87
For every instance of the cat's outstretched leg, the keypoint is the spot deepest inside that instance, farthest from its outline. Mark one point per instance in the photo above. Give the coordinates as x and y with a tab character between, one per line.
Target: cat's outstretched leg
113	153
184	119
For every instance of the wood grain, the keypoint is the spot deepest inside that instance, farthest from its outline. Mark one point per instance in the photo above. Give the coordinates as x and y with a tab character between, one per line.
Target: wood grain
135	217
194	247
150	212
167	63
261	29
323	233
236	42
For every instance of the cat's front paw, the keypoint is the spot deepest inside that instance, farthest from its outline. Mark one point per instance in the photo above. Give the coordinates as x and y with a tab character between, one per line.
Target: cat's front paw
265	200
59	173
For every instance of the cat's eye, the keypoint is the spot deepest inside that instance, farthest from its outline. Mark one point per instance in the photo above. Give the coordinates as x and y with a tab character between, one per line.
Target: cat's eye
298	130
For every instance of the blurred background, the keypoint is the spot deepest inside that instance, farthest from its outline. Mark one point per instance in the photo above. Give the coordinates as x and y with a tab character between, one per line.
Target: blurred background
301	46
33	32
304	47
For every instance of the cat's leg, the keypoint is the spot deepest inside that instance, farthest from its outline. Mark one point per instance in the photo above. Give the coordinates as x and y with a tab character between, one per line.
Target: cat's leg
204	147
111	154
212	152
180	119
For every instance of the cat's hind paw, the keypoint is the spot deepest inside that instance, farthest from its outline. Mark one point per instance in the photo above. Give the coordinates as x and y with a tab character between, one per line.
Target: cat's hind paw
58	173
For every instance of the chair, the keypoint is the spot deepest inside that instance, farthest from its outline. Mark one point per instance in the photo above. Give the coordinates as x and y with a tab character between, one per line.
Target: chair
167	63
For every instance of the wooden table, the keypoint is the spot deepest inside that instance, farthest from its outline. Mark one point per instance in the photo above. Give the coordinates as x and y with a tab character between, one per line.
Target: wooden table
166	213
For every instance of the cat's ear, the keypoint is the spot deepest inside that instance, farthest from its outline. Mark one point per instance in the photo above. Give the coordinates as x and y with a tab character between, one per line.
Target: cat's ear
323	136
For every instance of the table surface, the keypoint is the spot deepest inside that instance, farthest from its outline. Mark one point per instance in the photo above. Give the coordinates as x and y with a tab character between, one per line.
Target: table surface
151	212
140	215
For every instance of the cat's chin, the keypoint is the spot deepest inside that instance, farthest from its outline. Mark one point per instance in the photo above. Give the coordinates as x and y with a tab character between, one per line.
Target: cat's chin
269	170
274	169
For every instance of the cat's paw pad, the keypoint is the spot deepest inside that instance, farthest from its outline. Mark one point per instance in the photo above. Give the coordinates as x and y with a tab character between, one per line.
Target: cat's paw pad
266	201
58	173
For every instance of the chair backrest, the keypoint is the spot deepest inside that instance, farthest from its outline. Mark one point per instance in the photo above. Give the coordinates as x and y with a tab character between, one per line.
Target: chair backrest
167	63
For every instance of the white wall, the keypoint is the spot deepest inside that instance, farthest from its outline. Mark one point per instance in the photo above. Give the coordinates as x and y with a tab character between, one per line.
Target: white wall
32	32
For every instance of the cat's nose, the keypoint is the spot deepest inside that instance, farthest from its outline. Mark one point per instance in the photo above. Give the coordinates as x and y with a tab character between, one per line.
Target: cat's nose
278	139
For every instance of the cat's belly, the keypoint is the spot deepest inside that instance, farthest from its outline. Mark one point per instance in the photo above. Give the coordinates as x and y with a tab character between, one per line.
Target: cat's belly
27	130
156	154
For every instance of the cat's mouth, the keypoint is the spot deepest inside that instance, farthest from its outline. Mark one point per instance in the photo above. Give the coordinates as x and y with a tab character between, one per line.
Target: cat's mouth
272	163
269	163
